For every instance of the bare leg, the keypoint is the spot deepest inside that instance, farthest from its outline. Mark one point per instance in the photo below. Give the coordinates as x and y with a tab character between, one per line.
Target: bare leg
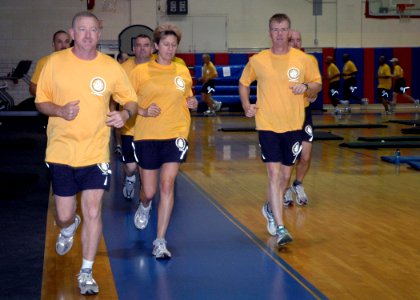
92	218
167	181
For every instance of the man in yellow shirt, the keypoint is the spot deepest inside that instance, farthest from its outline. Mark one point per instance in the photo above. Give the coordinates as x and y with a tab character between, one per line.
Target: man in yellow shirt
209	73
400	84
283	75
61	41
74	90
350	82
304	161
383	91
143	49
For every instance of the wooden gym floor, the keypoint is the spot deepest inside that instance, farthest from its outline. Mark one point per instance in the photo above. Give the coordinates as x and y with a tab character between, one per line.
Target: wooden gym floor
357	238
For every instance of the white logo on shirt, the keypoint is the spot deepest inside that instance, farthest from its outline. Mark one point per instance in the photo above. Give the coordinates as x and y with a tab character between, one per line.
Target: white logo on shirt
179	83
293	74
98	86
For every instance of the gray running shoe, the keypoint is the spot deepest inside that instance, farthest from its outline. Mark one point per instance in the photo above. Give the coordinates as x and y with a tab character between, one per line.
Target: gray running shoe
128	189
141	218
417	103
301	197
283	236
159	250
217	105
288	198
87	284
268	214
65	242
364	101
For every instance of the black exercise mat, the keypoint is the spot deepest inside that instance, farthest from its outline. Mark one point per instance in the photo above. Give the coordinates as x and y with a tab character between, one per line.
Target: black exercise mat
344	126
326	136
388	138
406	122
377	145
411	130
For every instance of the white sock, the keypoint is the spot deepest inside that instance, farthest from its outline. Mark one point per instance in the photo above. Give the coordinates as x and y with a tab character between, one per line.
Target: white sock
68	231
87	264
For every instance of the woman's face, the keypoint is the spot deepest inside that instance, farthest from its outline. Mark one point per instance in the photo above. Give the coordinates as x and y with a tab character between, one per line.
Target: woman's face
167	47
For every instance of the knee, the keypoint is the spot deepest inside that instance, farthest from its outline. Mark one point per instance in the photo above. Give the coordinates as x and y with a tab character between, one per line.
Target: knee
148	192
167	186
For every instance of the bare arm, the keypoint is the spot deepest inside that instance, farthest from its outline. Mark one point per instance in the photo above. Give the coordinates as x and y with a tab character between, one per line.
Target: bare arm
68	111
244	92
32	89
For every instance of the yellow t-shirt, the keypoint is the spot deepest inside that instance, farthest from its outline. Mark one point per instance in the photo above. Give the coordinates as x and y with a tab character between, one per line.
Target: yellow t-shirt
348	68
176	59
168	86
209	71
40	64
398	72
128	128
384	83
83	141
279	110
315	67
333	71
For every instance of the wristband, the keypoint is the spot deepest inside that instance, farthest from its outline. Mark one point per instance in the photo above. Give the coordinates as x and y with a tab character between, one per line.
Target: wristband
307	85
128	112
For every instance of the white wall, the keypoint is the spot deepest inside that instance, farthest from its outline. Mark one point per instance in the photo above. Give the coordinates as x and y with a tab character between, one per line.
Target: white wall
26	26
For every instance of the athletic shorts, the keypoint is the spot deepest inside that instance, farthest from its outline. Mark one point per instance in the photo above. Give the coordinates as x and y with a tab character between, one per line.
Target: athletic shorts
152	154
350	87
307	131
400	86
384	94
127	149
280	147
208	87
334	89
68	181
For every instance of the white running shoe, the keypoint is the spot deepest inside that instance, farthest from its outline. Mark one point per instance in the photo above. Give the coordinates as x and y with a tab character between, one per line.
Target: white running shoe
417	103
64	241
365	101
141	218
87	284
128	189
288	198
159	250
209	113
301	197
268	214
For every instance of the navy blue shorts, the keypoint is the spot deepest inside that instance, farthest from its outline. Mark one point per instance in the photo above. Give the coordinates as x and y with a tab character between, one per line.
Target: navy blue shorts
384	94
127	149
208	87
68	181
307	131
334	90
280	147
400	86
152	154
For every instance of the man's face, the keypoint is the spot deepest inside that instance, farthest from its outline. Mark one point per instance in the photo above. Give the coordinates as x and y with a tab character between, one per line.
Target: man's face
295	40
85	33
279	33
61	41
142	48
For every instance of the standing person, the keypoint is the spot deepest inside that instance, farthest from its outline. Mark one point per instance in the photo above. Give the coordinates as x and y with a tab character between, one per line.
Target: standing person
333	78
383	91
161	131
283	76
209	73
61	40
304	161
350	82
74	91
143	49
400	84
